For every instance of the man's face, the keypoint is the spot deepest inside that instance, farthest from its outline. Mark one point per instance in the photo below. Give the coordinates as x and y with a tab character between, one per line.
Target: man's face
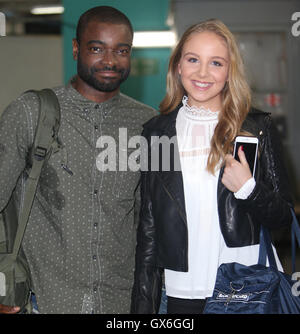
103	55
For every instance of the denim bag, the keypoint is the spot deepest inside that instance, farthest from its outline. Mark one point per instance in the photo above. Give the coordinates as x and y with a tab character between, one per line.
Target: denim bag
256	289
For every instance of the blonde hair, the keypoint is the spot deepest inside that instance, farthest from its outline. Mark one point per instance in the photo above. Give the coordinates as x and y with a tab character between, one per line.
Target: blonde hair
236	96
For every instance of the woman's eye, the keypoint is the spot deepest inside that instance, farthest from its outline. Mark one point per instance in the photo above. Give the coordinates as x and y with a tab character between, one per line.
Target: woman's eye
216	63
192	60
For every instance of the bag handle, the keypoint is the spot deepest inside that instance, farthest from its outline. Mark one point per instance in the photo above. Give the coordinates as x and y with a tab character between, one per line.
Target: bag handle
266	250
295	235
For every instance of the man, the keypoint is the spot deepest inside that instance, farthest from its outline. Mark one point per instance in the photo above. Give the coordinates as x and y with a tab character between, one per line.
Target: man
81	235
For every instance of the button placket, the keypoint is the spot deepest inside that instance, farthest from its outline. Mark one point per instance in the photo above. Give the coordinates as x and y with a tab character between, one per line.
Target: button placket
95	228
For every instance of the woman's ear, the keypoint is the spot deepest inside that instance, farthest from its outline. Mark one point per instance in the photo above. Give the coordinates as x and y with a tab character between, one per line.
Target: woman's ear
179	69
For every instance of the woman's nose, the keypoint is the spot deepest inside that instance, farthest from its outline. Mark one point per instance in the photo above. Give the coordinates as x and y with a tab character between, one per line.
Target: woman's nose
203	70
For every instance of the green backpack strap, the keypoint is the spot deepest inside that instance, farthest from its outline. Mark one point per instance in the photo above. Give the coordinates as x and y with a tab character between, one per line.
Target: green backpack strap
45	136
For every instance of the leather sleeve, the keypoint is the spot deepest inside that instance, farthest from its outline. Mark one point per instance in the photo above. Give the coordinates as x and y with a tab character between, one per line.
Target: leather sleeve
270	201
147	284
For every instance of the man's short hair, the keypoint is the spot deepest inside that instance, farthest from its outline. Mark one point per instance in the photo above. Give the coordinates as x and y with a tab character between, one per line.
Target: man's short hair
105	14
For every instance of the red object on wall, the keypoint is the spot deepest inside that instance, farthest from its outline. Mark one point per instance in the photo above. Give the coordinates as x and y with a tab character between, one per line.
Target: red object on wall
273	100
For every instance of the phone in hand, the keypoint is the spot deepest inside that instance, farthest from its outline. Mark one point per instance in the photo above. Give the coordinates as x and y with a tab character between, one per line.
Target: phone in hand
250	148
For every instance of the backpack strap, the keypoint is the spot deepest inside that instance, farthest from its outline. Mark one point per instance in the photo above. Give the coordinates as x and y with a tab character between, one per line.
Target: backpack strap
45	136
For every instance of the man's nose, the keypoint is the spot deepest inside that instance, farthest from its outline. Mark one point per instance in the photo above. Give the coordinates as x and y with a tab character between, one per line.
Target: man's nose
108	56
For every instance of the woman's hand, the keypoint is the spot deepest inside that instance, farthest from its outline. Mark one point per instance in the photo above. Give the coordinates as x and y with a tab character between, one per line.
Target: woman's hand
236	174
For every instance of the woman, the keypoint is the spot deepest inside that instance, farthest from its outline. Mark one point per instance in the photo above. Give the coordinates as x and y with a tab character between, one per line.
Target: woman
210	211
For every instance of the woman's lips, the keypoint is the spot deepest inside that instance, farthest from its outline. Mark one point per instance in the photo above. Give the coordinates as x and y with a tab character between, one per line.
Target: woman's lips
202	85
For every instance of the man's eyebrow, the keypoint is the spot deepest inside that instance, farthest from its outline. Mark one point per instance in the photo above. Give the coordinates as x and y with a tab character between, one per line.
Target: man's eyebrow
95	41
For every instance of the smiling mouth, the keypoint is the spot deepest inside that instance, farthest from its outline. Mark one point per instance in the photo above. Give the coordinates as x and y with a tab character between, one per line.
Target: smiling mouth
108	71
108	74
202	84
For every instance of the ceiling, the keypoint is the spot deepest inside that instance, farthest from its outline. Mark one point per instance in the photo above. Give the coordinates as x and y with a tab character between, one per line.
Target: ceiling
17	12
24	6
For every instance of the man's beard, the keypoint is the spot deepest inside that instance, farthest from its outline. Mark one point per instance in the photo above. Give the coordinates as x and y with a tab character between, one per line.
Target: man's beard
87	75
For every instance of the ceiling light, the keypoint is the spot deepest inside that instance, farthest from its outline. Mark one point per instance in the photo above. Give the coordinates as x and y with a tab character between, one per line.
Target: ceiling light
43	10
154	39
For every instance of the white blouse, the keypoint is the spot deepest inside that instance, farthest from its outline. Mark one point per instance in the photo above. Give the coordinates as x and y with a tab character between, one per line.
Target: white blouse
206	246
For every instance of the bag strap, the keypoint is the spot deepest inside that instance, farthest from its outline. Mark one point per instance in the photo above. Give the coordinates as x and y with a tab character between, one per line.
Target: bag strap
266	250
45	135
295	235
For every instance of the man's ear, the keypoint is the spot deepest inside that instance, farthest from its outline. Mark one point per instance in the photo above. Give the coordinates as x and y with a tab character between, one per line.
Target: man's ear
75	48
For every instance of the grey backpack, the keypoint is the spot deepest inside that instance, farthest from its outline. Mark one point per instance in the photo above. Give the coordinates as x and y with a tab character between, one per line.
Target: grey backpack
15	280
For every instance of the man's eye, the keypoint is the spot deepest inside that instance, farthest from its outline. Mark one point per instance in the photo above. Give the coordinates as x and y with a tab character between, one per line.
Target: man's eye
122	52
96	49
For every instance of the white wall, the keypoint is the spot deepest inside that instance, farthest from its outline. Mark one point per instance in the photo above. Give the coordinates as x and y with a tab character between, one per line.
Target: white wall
29	62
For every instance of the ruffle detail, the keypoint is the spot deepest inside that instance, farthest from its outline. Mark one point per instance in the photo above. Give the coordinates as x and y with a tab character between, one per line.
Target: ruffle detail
196	113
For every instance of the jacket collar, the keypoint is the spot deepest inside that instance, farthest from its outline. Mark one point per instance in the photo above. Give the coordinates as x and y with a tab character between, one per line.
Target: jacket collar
164	124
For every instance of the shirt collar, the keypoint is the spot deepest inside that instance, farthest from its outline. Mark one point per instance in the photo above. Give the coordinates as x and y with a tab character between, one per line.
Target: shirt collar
85	105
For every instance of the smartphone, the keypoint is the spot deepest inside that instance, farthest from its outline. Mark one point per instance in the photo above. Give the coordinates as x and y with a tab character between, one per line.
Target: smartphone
250	147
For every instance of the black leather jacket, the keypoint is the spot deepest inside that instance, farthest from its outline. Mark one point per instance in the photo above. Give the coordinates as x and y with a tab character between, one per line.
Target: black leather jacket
162	233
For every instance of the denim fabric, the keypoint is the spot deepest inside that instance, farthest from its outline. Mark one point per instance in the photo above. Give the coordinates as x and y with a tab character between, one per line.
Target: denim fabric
35	309
163	302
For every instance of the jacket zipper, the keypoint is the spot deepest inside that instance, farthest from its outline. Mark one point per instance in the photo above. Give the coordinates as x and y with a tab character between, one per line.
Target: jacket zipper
184	219
173	199
251	228
153	292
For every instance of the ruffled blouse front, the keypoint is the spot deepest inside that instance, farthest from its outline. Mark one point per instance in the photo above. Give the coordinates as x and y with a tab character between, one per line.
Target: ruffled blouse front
206	246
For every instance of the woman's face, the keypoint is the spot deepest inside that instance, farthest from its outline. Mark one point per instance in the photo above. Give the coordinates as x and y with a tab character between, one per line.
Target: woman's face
203	68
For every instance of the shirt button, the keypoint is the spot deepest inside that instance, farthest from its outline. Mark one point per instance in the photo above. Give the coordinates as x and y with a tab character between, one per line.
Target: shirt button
95	224
94	257
95	192
96	127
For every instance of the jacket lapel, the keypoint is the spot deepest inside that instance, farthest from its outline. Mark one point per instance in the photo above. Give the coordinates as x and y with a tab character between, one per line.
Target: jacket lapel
172	179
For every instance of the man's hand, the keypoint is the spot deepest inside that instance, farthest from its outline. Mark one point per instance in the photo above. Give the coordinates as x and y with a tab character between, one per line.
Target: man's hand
9	309
236	174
